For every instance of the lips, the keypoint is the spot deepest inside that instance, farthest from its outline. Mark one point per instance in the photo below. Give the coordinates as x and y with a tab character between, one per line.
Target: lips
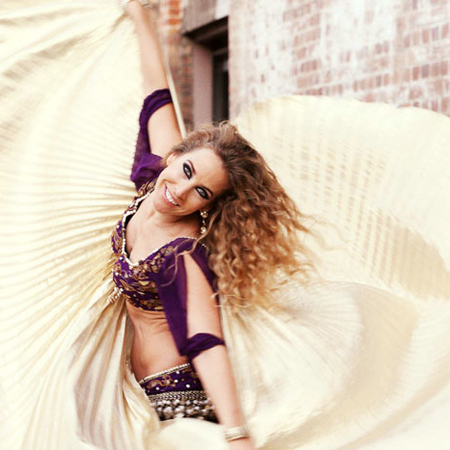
169	198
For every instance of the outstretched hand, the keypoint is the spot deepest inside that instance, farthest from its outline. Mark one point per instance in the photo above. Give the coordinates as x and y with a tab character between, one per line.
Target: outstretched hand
135	9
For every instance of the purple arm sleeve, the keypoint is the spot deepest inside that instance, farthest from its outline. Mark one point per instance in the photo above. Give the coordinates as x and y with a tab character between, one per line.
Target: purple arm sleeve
173	292
147	165
201	342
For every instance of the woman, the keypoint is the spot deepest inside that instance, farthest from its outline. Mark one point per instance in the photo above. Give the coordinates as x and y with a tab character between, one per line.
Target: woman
337	365
211	191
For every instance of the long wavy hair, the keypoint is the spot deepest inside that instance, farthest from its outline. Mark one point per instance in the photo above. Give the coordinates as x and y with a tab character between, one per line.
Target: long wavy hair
253	228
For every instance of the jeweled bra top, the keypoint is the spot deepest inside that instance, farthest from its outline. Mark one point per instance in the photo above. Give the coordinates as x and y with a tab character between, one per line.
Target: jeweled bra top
136	281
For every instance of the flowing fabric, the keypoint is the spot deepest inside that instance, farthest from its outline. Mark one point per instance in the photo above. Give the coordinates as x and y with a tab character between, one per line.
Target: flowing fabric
361	360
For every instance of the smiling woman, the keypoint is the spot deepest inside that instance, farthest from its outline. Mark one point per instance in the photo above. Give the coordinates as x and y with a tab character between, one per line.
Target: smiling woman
185	320
191	182
216	179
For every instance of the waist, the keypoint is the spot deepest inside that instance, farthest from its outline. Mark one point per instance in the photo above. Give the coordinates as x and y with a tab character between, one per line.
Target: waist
177	392
178	378
153	347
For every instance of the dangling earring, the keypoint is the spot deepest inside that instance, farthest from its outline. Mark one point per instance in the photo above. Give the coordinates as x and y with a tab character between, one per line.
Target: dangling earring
204	216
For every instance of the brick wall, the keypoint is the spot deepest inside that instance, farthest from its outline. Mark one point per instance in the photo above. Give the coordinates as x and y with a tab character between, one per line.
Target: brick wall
394	51
179	50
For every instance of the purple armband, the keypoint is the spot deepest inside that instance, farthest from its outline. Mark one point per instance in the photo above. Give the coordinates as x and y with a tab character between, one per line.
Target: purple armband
199	343
147	165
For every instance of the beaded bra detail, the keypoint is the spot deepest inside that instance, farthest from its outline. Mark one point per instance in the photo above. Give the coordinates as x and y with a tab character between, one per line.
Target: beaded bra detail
136	281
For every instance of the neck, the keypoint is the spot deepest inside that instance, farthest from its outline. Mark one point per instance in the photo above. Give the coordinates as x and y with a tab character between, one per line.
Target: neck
176	224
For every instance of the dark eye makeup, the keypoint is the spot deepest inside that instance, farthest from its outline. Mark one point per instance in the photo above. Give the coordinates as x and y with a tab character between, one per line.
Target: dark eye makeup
188	171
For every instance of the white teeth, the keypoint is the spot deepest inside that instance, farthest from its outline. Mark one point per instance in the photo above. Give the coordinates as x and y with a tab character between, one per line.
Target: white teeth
170	198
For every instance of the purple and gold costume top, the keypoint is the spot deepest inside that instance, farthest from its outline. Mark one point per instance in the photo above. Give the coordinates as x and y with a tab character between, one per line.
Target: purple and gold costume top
158	282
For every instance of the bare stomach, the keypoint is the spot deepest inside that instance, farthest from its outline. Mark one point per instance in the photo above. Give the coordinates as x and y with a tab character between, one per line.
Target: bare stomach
153	348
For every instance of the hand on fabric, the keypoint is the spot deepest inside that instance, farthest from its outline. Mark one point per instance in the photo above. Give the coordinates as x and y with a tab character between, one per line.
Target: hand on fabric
241	444
135	10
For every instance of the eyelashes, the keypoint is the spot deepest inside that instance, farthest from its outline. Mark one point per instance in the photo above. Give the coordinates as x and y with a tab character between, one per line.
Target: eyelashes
188	171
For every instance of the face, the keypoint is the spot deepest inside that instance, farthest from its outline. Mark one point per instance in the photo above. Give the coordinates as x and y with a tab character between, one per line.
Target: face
190	182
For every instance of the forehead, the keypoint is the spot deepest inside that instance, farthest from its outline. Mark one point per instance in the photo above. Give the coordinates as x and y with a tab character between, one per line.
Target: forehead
209	168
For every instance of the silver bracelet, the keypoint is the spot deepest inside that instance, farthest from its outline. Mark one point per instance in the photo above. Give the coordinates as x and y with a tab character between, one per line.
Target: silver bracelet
231	434
144	3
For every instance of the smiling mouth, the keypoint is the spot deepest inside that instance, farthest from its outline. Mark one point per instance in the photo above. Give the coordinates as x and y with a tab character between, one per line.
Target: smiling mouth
169	197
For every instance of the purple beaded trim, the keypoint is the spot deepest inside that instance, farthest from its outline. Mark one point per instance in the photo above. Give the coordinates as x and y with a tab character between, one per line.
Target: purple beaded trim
177	392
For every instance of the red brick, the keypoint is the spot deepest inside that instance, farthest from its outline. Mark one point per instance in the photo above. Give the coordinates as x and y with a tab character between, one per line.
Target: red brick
435	69
435	33
385	62
314	20
173	21
425	36
438	87
444	30
425	70
444	68
174	11
416	72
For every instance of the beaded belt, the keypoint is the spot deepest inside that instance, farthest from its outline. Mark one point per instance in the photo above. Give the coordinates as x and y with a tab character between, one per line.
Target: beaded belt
177	392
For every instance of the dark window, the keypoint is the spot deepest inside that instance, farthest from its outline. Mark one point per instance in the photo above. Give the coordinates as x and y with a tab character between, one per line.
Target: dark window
214	36
220	85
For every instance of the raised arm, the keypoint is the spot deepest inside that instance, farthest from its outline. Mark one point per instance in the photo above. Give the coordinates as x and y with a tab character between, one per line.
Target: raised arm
162	126
212	365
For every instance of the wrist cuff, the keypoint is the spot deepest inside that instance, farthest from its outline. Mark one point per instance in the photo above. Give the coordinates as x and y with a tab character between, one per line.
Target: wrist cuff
234	433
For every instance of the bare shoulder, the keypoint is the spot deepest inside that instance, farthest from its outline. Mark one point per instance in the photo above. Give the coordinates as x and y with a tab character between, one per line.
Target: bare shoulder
197	283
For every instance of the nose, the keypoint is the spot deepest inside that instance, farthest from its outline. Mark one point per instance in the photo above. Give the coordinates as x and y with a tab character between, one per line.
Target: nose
182	189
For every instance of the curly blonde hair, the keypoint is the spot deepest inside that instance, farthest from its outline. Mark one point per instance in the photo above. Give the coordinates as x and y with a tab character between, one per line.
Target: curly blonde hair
253	227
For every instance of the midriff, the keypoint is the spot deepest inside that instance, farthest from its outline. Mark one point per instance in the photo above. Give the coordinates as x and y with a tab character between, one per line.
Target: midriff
153	349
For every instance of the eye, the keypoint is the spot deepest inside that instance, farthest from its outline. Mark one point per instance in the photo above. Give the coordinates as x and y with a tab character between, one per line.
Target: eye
203	193
187	170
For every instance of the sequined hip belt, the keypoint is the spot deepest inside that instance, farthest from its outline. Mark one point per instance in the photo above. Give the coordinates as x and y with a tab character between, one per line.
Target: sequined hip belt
177	392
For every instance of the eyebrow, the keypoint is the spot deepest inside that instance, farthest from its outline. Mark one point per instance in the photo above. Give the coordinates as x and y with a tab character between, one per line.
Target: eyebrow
195	173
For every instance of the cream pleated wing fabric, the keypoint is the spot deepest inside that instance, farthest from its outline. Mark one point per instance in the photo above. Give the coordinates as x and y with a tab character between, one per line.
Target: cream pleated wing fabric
361	360
372	356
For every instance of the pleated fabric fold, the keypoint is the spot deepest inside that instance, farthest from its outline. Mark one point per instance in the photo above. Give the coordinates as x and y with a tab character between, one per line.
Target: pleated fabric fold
358	359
